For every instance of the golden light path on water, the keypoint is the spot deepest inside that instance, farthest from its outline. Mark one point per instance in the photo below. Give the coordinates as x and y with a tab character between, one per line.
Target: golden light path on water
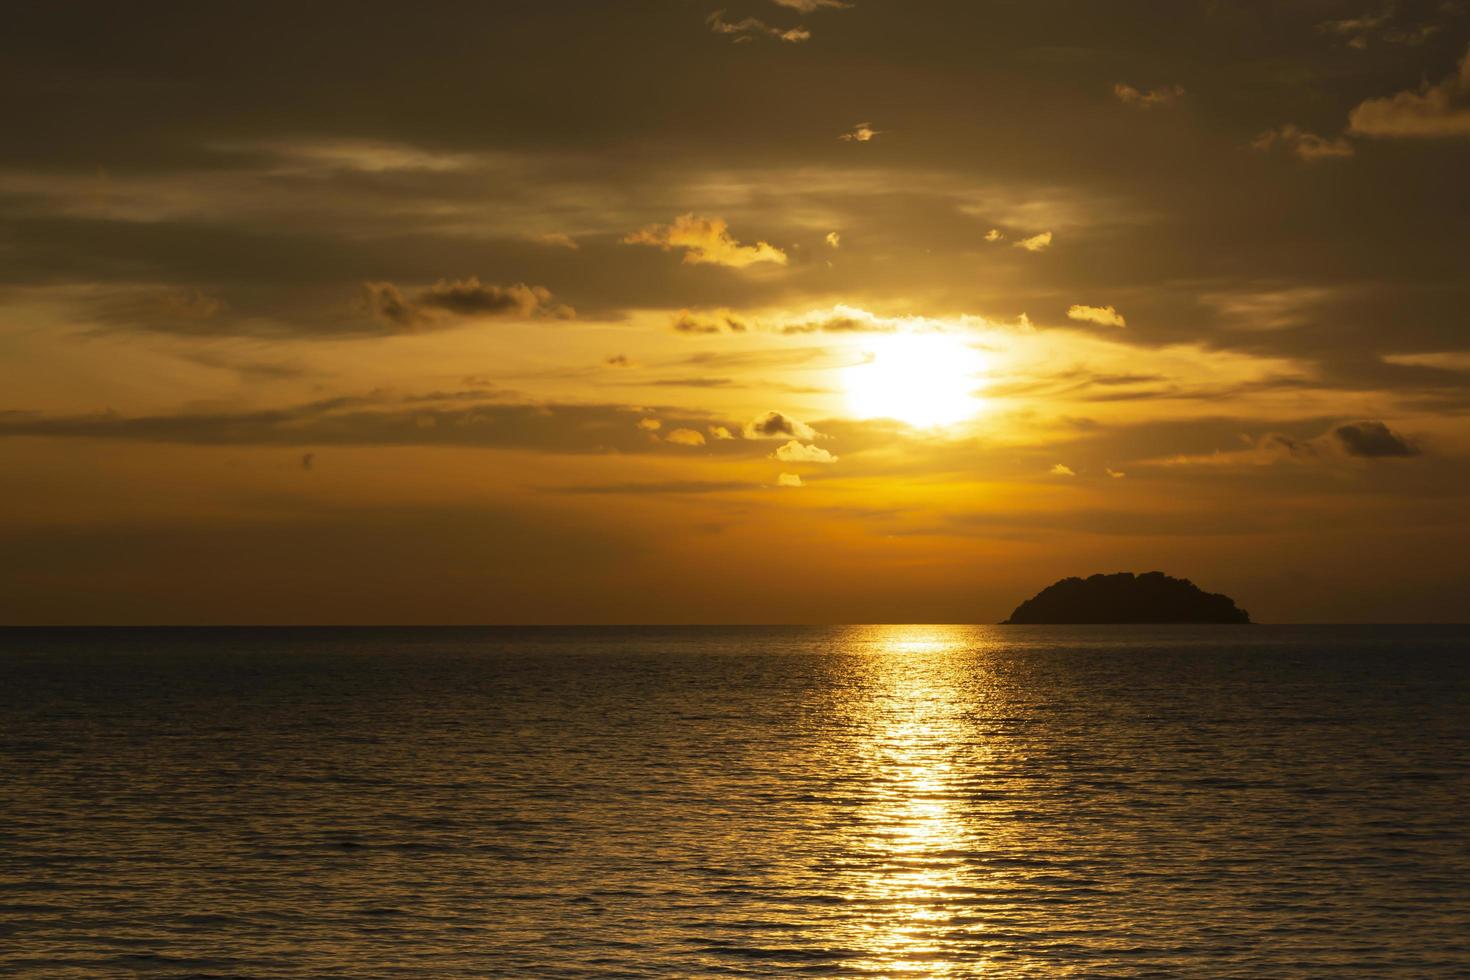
921	835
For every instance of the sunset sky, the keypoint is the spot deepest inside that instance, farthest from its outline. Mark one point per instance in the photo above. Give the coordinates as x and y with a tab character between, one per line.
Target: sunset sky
720	311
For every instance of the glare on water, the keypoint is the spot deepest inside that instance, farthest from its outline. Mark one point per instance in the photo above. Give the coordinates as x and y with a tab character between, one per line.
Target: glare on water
851	802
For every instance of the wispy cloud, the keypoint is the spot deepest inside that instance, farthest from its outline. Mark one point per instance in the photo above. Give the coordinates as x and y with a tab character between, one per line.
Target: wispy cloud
557	238
861	133
716	321
753	27
457	418
1306	146
812	6
1386	25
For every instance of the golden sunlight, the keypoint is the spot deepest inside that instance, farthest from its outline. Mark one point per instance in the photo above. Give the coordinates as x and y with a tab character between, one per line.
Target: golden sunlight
924	379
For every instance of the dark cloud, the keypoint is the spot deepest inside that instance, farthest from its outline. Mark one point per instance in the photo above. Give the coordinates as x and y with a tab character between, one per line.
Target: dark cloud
437	419
718	321
774	425
839	323
1373	440
448	301
666	487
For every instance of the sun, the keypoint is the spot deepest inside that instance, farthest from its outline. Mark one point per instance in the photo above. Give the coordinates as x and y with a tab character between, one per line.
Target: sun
924	379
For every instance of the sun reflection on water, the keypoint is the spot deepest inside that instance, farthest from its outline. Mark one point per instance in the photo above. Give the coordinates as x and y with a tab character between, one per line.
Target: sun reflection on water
917	834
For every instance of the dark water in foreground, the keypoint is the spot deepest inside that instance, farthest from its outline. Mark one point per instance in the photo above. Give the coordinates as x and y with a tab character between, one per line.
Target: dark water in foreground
870	801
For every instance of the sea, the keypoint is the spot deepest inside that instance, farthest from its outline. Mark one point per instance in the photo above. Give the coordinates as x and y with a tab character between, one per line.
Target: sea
864	801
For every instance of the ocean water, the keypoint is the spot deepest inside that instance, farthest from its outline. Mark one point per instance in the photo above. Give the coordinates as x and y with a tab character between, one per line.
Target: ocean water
848	802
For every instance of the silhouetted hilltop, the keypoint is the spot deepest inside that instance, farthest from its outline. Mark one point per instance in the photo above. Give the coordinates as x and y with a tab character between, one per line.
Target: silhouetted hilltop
1152	597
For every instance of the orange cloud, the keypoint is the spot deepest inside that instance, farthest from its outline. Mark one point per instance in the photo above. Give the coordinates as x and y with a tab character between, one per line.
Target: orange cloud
1107	316
1307	146
861	133
797	452
705	241
1151	99
1434	111
1036	243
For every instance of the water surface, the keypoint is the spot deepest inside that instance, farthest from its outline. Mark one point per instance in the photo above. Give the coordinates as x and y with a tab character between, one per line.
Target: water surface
862	801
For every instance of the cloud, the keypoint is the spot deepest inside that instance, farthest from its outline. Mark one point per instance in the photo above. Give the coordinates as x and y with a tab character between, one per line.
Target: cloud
1268	449
833	239
812	6
994	235
789	480
184	310
1307	146
685	437
720	433
796	452
1107	316
1366	440
751	27
718	321
861	133
1115	474
618	361
448	301
774	425
705	240
693	383
1269	306
840	319
1432	112
1372	440
1036	242
1061	470
669	487
558	239
1358	31
1152	99
454	418
1440	360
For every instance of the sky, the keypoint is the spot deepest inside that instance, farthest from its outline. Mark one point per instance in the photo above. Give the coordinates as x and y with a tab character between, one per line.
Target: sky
709	311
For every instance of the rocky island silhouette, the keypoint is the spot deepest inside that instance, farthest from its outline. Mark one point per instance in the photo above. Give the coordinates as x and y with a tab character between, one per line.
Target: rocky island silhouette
1124	597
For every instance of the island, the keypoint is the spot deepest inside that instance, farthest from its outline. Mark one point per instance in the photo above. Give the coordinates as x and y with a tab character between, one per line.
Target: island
1152	597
